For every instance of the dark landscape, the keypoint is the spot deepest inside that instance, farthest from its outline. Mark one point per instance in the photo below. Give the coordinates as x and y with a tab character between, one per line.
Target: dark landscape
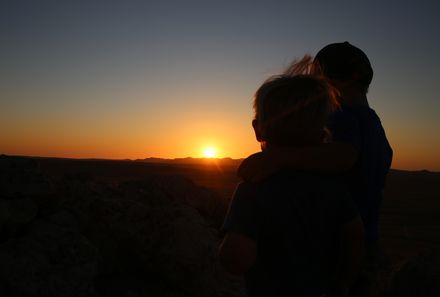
149	227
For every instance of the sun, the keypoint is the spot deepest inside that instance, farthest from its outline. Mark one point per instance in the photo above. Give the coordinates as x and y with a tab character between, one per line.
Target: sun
209	152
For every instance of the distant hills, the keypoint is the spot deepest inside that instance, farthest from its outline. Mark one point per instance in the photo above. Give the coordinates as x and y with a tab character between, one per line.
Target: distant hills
187	160
192	161
204	161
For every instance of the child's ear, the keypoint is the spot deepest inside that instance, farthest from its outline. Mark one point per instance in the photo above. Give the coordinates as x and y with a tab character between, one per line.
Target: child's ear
257	131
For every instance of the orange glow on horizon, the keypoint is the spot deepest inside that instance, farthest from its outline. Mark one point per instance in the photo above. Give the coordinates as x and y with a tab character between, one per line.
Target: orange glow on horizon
402	159
189	135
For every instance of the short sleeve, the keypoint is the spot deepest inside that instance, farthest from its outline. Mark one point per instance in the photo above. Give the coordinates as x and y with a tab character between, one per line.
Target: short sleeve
242	216
344	128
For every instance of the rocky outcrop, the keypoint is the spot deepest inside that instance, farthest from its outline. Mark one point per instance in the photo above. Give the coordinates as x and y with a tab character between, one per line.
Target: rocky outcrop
21	177
78	237
50	260
146	226
17	212
418	277
41	254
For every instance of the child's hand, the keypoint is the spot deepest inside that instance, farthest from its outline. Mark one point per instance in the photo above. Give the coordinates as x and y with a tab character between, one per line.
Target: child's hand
258	166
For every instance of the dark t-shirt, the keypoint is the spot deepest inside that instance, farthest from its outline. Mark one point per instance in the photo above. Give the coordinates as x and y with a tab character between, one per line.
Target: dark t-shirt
295	219
360	126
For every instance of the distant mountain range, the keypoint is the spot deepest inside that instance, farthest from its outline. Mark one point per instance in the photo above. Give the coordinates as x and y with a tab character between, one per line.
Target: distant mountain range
196	161
187	160
190	160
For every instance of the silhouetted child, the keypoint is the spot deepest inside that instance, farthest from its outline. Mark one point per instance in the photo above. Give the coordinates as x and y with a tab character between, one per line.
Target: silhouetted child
359	150
289	233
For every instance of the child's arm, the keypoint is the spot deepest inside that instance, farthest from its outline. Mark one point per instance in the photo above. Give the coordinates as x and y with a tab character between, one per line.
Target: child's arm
334	157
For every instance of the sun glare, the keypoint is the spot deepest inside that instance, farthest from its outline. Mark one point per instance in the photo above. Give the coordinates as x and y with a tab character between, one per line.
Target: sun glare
209	152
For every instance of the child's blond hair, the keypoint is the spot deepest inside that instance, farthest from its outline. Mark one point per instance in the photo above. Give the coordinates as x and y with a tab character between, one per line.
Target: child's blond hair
292	108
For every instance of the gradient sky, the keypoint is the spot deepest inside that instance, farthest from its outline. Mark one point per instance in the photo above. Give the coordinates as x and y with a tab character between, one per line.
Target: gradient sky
133	79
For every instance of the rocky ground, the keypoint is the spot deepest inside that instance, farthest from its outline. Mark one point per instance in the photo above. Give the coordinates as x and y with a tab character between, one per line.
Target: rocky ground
77	237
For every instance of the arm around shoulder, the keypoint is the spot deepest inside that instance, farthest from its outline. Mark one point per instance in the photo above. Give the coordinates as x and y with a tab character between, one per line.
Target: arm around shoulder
334	157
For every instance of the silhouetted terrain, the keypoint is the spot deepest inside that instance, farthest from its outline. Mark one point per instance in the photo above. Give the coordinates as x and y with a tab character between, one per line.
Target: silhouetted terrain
150	228
216	174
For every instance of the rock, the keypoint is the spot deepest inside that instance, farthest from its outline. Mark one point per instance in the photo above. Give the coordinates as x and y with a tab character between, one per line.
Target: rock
49	261
185	246
187	257
177	189
418	277
146	226
17	212
78	232
144	285
21	177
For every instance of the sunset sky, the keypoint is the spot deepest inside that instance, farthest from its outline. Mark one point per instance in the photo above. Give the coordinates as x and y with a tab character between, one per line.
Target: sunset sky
134	79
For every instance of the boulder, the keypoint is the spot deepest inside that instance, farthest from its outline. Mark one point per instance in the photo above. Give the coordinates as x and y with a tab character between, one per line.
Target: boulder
178	189
17	212
418	277
21	177
142	226
51	260
78	237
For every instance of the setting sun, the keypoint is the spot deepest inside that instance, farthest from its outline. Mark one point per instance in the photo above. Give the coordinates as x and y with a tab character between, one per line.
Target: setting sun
209	152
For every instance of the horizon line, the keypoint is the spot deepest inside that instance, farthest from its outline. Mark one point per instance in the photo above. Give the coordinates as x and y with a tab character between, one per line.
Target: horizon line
172	159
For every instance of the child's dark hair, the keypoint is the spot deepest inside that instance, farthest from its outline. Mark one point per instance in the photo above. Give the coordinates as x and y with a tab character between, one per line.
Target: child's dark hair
345	62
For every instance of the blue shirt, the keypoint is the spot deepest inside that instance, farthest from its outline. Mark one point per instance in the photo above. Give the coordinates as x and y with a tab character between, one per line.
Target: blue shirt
295	219
360	126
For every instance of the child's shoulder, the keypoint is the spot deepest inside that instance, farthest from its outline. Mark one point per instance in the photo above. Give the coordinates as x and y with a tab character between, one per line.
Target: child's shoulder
363	116
360	112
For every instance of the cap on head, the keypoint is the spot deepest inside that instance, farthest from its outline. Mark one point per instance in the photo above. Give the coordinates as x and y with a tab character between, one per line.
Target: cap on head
344	61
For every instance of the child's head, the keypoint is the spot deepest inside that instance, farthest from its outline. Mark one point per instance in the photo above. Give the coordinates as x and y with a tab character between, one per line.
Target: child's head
345	64
292	110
